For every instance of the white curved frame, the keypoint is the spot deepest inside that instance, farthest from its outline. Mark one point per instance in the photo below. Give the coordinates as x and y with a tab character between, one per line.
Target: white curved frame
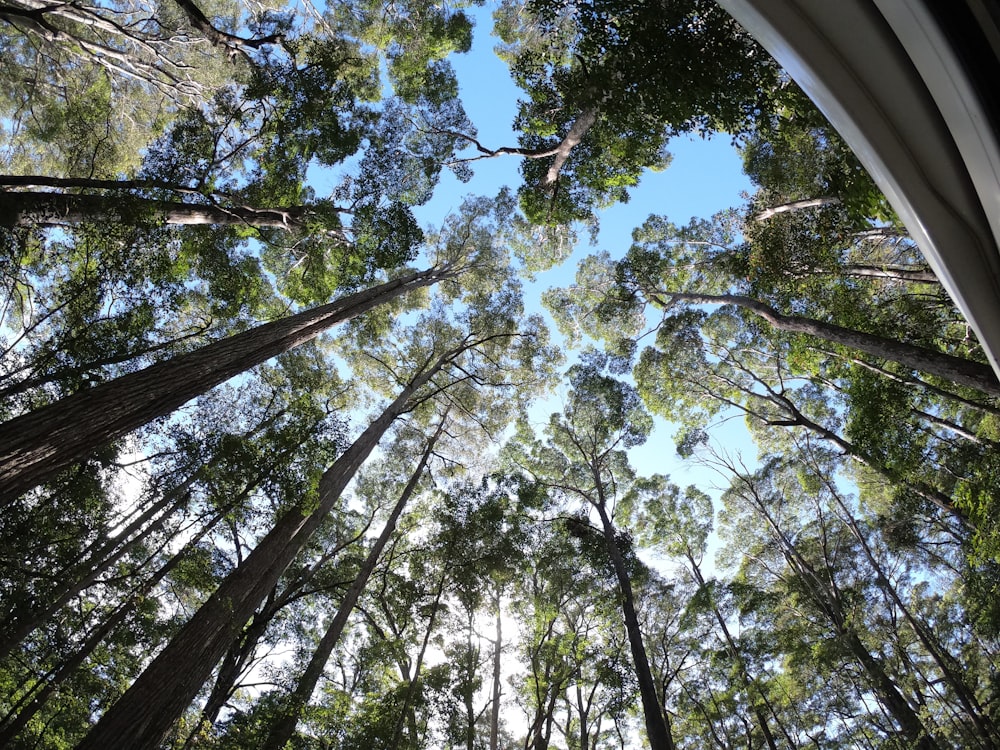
885	76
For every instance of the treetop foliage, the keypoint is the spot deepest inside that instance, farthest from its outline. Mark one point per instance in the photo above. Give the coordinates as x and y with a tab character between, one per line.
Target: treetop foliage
284	467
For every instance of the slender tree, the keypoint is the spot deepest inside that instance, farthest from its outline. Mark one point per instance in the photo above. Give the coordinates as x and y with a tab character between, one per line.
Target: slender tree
813	573
585	458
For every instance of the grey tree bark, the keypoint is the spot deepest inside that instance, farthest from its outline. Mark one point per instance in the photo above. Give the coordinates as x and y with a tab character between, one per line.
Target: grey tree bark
965	372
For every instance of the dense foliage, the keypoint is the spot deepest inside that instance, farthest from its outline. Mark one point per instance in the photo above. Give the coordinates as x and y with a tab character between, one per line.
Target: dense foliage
272	467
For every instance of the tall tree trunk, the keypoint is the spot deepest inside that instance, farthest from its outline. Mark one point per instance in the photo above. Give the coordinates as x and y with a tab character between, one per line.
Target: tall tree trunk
145	713
945	366
284	726
734	652
951	669
888	694
581	712
30	209
243	649
37	446
497	663
96	183
821	587
578	129
657	729
912	382
896	273
406	713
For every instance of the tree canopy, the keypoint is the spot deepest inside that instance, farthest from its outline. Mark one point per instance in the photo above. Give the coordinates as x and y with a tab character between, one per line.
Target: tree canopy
285	464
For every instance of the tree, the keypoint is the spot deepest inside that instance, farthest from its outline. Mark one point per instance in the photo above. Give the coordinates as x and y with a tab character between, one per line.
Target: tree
119	573
178	672
39	444
678	522
607	85
812	565
584	457
284	724
673	270
441	356
704	362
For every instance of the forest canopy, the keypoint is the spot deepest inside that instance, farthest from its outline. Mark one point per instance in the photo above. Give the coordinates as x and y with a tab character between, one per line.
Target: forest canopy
285	465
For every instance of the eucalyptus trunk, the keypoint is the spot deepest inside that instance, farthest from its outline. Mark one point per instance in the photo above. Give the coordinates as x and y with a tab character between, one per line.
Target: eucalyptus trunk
284	726
30	209
243	649
144	715
497	664
38	445
887	692
965	372
657	729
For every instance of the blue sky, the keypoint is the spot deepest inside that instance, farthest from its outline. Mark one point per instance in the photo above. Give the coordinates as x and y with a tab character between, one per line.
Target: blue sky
704	177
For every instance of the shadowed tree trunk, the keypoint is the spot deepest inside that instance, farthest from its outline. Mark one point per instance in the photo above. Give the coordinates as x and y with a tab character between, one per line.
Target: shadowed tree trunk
243	650
497	674
28	209
657	728
897	273
284	726
37	446
143	716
